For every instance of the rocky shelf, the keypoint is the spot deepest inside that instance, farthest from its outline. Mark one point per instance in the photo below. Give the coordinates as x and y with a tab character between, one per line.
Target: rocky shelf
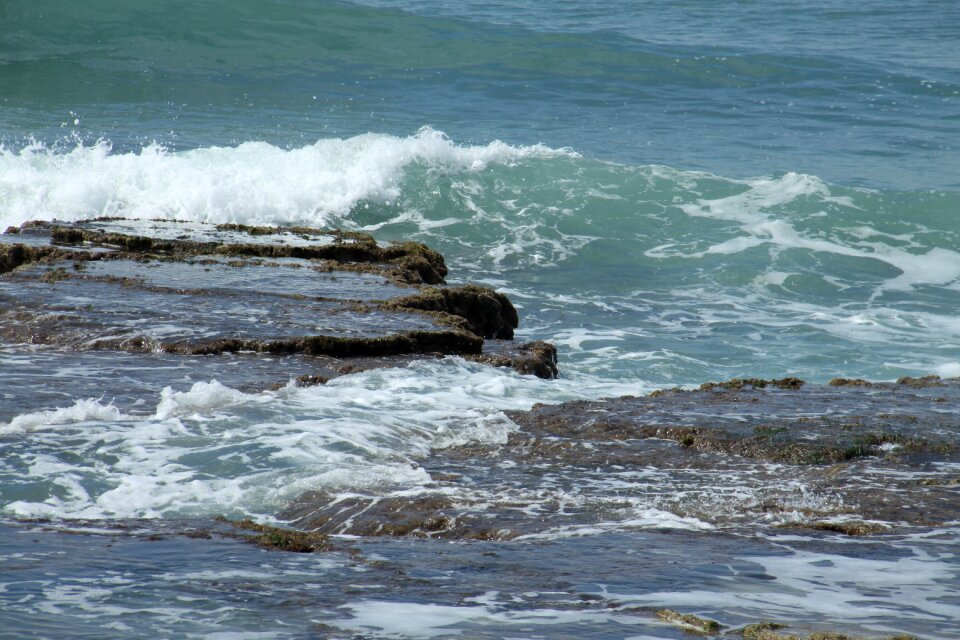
297	303
161	302
845	458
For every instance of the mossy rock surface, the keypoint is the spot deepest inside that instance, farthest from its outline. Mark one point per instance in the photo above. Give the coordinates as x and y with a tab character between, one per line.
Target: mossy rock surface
281	539
690	621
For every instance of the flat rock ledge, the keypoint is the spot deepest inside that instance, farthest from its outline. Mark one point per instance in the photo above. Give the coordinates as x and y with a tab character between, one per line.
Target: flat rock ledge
847	458
319	303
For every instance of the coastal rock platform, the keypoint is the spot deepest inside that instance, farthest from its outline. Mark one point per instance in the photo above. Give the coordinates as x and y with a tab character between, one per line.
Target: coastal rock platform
849	457
715	511
254	307
688	511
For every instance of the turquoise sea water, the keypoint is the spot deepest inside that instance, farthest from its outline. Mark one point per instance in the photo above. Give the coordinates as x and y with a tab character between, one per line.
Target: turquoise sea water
670	192
770	188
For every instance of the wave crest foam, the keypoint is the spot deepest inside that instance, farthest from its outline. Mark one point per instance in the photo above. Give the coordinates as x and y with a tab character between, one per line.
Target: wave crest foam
81	411
253	183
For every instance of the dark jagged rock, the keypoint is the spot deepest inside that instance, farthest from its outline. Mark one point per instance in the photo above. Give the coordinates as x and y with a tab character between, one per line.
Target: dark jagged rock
533	358
847	528
738	384
17	255
488	314
445	342
847	382
922	382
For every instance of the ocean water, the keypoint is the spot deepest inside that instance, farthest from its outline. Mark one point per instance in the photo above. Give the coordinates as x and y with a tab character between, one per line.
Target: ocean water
669	192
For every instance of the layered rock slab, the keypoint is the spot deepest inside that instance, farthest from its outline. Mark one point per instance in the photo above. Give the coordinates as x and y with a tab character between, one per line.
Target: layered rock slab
304	304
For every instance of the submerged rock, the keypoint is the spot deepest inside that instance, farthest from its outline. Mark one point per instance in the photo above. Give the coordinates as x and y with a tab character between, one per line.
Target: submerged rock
821	460
869	458
419	516
773	631
280	538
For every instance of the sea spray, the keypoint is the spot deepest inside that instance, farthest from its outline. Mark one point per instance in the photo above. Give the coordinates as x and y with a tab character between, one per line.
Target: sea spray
212	449
252	183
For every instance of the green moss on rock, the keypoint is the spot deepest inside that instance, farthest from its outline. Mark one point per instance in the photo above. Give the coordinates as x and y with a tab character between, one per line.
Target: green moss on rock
689	621
282	539
850	382
738	384
770	631
922	382
763	631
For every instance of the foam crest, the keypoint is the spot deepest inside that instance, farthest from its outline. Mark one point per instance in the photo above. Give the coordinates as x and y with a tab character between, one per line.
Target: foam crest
948	370
81	411
254	183
202	397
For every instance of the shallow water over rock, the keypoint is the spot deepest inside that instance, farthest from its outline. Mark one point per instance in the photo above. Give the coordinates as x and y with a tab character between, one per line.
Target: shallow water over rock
199	578
853	459
811	507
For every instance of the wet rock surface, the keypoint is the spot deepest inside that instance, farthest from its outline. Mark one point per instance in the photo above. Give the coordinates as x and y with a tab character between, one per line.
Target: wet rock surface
781	456
298	304
685	511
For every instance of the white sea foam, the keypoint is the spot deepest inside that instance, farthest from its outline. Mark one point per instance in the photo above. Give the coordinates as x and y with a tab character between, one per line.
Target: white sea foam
948	370
910	584
81	411
875	325
254	183
756	211
213	449
202	397
643	519
574	338
762	195
417	620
